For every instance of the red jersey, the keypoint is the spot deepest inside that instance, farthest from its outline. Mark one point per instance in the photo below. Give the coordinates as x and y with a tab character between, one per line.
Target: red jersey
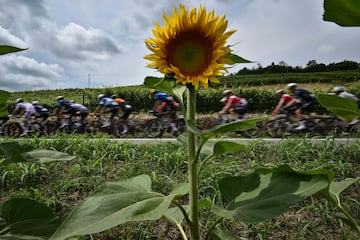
285	98
233	101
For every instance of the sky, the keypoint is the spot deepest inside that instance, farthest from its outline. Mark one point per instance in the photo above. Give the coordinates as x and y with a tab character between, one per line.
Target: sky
92	43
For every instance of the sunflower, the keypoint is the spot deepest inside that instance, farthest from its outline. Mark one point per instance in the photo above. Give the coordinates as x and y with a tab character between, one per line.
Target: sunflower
191	46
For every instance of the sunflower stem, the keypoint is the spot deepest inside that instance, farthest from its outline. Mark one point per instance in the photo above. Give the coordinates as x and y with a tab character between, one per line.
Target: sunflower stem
193	178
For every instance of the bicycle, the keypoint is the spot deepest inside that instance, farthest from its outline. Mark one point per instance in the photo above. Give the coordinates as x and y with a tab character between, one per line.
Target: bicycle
156	127
318	125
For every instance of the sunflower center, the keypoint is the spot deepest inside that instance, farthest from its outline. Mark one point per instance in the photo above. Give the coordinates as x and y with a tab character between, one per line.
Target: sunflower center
190	52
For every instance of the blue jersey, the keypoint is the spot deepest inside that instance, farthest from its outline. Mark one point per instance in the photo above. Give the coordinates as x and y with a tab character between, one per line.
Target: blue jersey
108	102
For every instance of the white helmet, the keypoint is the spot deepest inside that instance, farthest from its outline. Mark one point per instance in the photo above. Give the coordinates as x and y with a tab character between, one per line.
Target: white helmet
227	92
59	98
280	91
338	89
291	85
100	96
18	100
35	103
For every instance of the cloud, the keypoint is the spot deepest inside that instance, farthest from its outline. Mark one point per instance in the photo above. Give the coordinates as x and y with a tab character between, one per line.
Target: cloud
21	73
73	42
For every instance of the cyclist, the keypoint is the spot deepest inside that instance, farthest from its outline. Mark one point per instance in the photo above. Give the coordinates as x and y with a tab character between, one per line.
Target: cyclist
166	106
69	107
27	110
126	109
288	103
234	105
340	91
41	111
107	105
307	102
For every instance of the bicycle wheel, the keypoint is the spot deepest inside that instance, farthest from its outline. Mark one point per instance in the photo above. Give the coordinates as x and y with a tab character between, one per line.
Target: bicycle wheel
154	128
181	125
13	130
36	128
277	128
51	127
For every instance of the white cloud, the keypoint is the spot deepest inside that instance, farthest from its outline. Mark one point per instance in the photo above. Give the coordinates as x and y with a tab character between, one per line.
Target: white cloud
22	73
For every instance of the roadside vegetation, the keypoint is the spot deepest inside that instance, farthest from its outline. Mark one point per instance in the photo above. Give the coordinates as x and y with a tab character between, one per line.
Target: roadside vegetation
63	185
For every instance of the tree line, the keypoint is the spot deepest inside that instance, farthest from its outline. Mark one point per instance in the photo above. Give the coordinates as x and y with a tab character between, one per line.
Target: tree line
311	66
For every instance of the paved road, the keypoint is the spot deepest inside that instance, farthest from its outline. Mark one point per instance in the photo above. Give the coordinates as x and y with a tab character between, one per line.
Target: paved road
238	140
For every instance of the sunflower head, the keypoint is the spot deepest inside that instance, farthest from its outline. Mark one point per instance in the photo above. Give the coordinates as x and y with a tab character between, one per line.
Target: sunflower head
191	45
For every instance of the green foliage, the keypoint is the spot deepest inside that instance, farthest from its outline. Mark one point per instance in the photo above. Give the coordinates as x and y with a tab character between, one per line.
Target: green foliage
5	49
268	193
4	95
16	153
117	203
343	107
27	219
342	12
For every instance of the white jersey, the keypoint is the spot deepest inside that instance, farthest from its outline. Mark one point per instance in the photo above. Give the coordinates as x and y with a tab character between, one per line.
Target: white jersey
348	96
26	107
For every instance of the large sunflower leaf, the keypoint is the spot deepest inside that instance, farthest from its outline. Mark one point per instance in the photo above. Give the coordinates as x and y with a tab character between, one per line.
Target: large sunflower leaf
233	126
5	49
219	234
4	95
342	107
268	193
16	153
118	203
342	12
26	217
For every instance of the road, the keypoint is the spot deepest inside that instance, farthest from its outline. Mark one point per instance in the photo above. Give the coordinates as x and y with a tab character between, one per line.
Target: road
238	140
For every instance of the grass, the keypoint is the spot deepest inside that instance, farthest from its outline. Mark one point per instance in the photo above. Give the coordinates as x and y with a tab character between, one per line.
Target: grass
63	185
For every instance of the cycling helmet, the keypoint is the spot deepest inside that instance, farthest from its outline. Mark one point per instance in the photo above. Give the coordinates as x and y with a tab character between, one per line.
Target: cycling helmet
291	85
35	103
100	96
280	91
227	92
338	89
59	98
152	91
18	100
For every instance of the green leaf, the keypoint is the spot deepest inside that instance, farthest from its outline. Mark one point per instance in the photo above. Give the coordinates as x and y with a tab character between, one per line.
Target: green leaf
233	126
20	237
332	194
342	107
4	95
16	153
236	59
267	193
342	12
217	148
28	217
5	49
175	215
220	234
117	203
